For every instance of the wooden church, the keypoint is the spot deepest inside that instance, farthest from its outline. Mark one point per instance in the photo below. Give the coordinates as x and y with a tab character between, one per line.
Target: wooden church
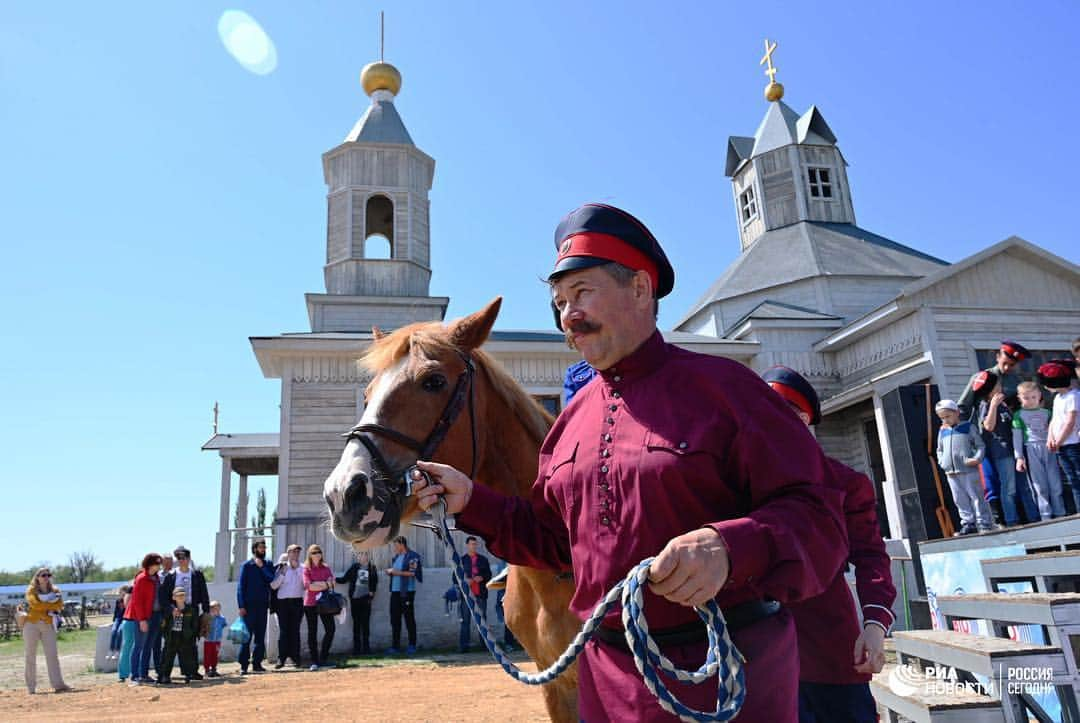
867	320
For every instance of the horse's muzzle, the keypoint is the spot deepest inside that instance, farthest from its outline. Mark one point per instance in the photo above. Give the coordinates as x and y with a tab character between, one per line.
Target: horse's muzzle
355	512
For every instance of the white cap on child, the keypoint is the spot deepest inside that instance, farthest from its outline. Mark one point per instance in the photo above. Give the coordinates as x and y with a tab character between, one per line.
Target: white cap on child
946	404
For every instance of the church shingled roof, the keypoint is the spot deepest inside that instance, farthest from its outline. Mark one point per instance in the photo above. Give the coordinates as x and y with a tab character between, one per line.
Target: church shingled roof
781	126
380	124
813	248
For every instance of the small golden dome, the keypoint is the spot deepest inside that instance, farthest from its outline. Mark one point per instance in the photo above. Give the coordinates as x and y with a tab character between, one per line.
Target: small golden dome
774	91
380	76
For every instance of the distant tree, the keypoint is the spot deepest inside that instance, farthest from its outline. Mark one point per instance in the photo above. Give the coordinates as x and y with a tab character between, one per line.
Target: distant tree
19	577
124	574
83	565
258	520
238	518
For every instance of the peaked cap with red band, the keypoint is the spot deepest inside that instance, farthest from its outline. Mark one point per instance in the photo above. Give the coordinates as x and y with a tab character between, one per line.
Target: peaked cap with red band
1014	350
596	234
790	385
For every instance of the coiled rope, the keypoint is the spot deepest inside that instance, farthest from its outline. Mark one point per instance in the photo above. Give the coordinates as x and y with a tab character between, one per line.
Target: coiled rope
722	659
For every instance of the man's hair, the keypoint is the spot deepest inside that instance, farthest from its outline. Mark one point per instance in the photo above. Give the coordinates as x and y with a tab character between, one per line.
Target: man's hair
623	275
256	542
400	539
1028	387
1076	345
469	539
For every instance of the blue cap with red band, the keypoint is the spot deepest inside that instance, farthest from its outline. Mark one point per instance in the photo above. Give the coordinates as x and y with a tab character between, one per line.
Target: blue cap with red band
790	385
1014	350
596	234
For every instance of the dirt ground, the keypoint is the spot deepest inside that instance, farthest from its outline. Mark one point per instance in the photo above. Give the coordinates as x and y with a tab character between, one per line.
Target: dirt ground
471	688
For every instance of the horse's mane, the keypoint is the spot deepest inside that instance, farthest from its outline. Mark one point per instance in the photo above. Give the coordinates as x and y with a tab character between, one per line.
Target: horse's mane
431	339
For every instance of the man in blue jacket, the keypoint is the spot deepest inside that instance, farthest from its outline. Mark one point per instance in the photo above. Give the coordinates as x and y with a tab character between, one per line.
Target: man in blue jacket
253	599
406	570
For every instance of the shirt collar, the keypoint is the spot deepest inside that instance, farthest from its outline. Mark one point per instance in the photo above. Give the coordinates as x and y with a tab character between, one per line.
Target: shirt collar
640	362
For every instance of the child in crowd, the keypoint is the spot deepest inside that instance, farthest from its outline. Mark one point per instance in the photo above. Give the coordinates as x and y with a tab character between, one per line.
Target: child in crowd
1059	376
116	639
180	628
212	640
1031	425
960	450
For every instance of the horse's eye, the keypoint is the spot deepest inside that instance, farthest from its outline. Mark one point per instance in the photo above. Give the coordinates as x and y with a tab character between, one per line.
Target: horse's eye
433	383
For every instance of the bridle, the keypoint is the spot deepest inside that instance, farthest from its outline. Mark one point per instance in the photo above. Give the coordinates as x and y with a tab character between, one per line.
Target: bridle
400	480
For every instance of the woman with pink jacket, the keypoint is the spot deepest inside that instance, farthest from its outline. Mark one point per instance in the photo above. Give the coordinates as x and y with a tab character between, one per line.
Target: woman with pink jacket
318	577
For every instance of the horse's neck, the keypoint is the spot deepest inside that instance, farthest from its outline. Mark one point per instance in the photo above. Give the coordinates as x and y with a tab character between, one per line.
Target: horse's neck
510	451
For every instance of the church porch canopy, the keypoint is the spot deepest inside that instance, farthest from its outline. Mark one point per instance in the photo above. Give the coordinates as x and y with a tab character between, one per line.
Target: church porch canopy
245	454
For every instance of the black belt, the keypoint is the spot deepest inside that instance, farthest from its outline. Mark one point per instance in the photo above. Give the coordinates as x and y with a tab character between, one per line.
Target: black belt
736	617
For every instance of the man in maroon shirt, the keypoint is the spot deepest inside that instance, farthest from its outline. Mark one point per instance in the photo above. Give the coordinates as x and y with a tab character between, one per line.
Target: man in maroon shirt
670	453
836	658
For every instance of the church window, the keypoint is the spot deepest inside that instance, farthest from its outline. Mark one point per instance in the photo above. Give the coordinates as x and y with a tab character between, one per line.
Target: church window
379	228
550	403
748	205
820	183
377	246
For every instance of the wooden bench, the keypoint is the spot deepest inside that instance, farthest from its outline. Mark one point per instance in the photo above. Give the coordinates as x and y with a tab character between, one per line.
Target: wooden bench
8	628
1052	610
965	706
1042	570
995	658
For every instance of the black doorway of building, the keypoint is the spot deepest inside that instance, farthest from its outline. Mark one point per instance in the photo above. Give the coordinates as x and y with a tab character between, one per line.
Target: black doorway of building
876	465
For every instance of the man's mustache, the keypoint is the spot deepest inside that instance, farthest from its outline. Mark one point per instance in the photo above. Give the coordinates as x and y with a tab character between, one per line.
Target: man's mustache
584	326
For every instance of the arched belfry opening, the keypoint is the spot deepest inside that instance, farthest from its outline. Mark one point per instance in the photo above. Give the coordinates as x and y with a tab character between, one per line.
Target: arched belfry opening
379	228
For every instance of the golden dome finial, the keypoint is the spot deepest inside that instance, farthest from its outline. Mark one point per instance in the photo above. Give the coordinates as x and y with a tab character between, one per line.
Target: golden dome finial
380	75
773	91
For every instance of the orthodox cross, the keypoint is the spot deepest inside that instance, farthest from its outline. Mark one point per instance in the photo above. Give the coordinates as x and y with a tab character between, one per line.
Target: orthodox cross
767	59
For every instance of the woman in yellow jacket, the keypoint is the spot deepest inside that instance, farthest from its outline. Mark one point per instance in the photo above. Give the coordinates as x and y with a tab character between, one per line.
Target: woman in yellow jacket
42	599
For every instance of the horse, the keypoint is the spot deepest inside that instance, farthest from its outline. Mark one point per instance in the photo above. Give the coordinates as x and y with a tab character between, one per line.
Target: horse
435	395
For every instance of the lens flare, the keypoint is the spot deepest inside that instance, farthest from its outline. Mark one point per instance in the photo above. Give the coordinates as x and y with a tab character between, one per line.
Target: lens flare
247	42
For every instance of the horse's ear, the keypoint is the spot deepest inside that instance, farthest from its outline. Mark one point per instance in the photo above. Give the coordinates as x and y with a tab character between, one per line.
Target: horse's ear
377	333
469	332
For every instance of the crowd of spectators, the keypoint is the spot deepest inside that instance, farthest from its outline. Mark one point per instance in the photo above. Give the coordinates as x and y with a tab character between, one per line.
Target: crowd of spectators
1010	447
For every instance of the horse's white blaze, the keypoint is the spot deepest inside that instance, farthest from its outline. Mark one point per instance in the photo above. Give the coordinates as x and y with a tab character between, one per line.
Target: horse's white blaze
387	381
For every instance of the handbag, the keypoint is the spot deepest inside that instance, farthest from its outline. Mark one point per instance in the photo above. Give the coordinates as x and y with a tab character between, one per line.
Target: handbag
238	632
329	602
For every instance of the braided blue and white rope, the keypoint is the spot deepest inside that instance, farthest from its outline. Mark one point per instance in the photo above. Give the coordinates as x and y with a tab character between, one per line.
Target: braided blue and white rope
723	659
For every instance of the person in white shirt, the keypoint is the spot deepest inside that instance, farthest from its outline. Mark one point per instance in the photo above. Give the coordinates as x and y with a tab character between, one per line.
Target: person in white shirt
289	584
1059	376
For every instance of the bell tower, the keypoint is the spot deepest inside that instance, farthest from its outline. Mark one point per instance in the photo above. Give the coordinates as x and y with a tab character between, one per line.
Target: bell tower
378	236
791	170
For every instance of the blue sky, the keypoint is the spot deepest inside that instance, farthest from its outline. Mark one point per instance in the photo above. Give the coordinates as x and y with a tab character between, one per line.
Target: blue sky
161	203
